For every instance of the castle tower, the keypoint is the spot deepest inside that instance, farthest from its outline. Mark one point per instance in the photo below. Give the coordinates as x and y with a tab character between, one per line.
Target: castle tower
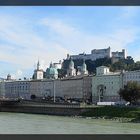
124	53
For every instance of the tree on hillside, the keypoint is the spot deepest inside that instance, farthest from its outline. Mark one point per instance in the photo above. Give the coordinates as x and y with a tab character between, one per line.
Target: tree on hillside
130	92
120	65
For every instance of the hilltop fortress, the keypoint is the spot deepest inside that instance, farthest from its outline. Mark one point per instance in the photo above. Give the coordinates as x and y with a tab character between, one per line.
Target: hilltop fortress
98	54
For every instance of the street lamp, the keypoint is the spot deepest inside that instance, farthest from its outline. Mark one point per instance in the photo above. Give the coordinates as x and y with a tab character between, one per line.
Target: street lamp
54	91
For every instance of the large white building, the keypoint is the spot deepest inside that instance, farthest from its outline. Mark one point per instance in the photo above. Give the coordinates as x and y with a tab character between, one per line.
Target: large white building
17	89
42	88
131	76
108	83
72	86
95	54
78	87
105	85
2	89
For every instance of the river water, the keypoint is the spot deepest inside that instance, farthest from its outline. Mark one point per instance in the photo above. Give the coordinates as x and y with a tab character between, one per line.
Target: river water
20	123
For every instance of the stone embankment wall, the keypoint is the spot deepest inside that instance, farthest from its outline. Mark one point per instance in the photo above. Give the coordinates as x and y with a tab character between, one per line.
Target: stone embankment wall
43	108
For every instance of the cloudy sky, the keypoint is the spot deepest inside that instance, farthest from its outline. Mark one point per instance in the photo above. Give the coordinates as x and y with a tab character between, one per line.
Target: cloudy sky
49	33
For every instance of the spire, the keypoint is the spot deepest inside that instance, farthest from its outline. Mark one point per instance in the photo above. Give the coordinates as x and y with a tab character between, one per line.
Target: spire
51	64
38	65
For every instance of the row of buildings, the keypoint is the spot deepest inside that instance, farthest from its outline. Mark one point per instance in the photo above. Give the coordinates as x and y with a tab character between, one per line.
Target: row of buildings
76	85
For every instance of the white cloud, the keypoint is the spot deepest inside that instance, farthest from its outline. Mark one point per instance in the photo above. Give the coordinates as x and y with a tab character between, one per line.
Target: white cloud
22	45
77	41
18	74
58	26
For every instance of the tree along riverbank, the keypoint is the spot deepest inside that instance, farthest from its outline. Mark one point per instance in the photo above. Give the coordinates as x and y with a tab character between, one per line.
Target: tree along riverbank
122	114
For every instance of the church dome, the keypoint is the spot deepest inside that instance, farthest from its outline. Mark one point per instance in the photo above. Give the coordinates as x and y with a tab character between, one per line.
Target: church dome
51	72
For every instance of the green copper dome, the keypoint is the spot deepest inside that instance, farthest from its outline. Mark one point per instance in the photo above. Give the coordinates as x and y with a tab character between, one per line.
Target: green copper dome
52	72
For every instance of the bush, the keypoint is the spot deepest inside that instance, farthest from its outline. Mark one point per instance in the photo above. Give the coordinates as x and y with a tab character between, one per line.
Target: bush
131	92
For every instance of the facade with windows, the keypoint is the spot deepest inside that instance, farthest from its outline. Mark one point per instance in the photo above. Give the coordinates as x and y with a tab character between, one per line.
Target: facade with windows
106	85
2	89
17	89
77	87
131	76
41	88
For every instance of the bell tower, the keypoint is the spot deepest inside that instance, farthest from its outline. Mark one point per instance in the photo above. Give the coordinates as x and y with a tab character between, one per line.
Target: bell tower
84	68
71	70
38	72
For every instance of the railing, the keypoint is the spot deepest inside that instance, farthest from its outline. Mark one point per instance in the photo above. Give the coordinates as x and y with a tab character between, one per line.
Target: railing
45	104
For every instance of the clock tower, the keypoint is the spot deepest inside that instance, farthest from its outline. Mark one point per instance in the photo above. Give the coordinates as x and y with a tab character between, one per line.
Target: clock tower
38	72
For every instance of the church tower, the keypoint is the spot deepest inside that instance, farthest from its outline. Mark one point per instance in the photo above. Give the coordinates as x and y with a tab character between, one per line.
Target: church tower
84	69
71	70
38	72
